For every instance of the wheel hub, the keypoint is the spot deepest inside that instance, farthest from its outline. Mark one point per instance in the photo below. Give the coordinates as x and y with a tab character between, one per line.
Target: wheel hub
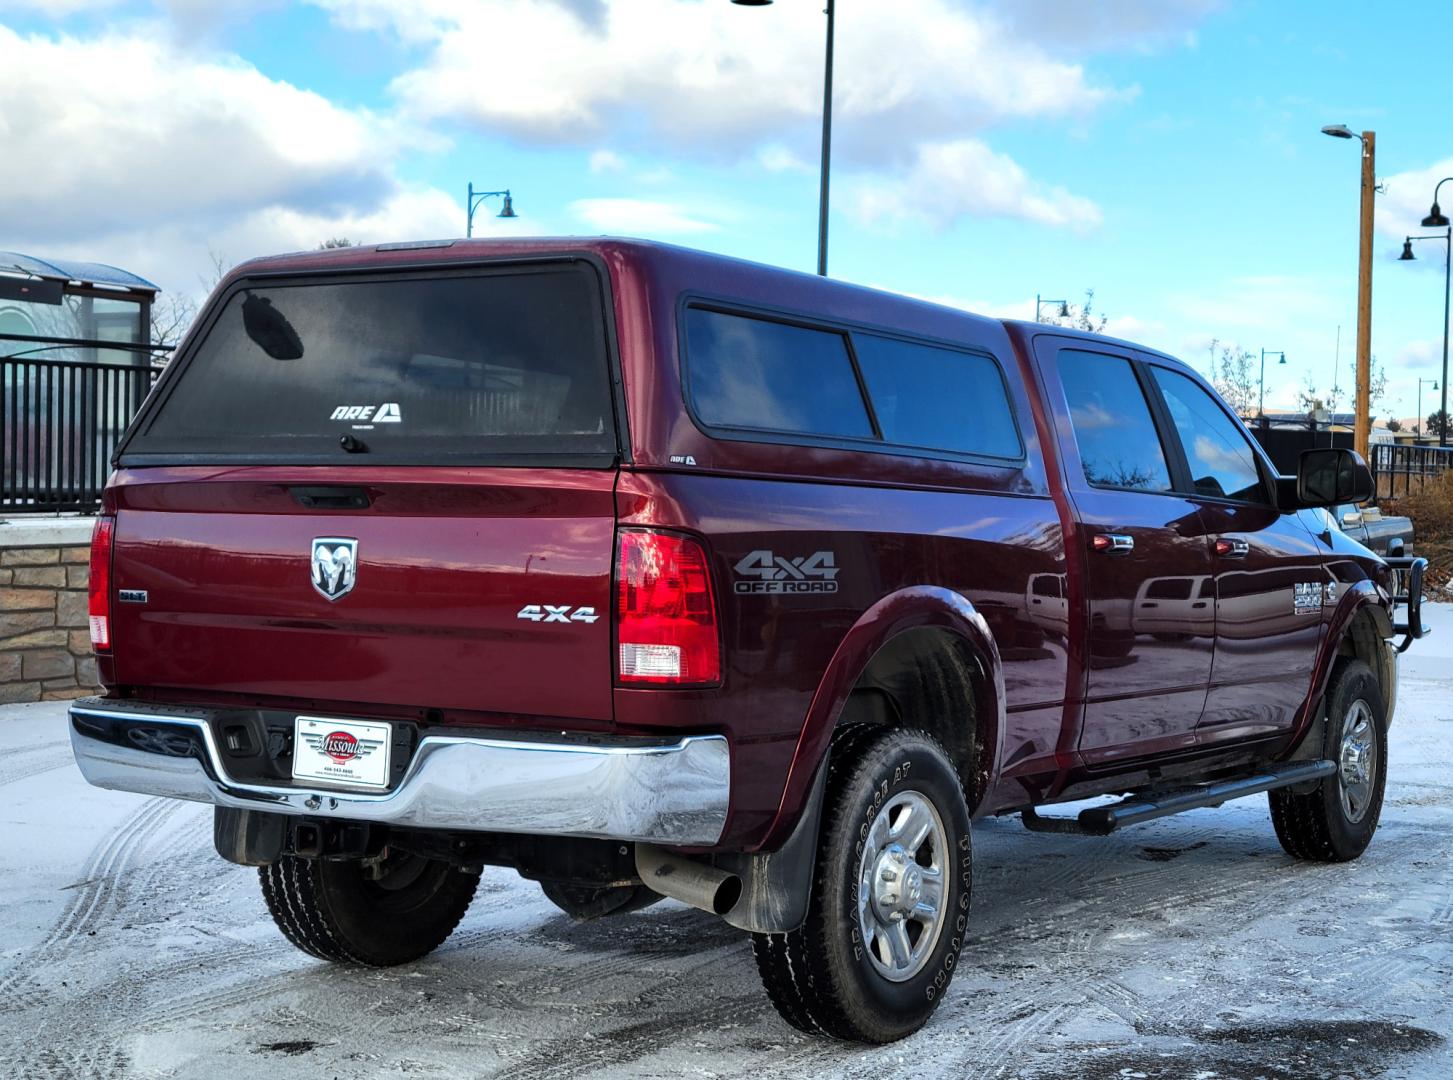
1357	763
898	883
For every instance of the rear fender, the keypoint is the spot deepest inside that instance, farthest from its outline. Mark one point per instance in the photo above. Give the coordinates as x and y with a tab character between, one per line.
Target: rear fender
908	609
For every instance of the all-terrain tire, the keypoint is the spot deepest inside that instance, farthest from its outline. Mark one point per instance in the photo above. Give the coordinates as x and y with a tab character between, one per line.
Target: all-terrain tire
347	912
828	977
1329	823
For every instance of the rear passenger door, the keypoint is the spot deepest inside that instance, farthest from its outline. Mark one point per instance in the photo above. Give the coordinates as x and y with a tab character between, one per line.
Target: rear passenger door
1140	544
1269	572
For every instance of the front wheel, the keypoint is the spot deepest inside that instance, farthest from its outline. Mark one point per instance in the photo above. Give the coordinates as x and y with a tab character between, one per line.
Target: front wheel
1334	822
378	912
890	899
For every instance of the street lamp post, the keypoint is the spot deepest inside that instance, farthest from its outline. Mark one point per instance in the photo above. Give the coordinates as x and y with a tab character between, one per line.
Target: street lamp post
1261	399
1437	219
826	134
1064	307
1420	404
474	198
1362	428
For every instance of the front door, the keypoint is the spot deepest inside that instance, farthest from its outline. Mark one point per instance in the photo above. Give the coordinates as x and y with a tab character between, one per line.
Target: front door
1143	548
1269	579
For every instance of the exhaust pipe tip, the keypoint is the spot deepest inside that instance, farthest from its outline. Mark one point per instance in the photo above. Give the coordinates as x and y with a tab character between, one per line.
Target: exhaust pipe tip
696	883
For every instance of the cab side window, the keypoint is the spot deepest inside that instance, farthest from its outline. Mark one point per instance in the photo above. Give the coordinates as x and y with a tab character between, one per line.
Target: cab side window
1218	450
1119	445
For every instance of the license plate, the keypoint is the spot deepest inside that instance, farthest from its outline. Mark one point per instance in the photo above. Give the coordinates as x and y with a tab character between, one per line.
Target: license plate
341	752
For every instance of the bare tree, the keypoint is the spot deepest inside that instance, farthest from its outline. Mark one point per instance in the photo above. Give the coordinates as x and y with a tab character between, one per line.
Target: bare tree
171	314
1234	376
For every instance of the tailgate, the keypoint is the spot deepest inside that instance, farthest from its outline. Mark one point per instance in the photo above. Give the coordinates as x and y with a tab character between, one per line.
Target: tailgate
489	592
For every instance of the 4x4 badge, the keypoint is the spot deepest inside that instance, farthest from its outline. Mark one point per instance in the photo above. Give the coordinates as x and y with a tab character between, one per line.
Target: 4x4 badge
335	565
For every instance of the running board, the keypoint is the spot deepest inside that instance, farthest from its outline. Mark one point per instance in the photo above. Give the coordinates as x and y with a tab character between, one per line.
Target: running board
1103	820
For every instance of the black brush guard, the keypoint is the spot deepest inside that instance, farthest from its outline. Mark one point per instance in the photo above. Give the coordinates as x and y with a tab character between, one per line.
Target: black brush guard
1410	570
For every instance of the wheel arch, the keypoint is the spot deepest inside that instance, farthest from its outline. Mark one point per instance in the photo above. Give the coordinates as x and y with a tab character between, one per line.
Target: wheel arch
1360	627
920	647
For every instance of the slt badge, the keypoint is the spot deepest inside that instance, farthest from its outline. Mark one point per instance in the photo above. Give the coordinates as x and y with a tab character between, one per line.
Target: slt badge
335	565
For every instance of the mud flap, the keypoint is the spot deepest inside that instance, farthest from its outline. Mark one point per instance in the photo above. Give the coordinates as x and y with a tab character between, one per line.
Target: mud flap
776	885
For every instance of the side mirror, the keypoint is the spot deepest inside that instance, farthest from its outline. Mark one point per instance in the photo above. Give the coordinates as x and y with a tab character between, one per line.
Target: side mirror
1329	477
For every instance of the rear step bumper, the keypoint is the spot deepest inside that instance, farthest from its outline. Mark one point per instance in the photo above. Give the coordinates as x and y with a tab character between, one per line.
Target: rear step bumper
671	792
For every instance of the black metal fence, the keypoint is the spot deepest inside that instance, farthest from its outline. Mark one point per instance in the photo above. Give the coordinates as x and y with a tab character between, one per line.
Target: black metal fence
1399	468
1284	445
59	425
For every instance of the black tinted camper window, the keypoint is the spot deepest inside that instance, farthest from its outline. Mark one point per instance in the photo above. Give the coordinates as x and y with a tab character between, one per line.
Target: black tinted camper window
481	364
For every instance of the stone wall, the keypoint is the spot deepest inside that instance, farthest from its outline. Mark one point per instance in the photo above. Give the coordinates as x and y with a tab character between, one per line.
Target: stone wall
45	646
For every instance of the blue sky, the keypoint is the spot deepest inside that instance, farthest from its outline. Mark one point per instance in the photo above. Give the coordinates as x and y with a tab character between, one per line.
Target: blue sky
1165	153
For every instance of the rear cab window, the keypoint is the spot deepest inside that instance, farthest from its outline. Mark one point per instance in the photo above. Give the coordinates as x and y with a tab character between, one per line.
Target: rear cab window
471	365
747	374
1113	425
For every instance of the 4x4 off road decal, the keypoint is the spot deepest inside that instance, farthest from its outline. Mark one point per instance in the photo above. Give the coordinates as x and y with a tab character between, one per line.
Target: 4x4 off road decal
767	572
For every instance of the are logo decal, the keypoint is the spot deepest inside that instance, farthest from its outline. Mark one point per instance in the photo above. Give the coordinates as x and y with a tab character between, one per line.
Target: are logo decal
767	572
387	413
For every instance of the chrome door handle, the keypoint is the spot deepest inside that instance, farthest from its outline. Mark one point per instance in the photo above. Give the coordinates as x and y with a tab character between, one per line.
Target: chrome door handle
1113	543
1232	547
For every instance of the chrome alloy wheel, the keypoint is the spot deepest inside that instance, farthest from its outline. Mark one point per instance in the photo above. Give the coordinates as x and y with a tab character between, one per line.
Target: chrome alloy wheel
1357	762
901	885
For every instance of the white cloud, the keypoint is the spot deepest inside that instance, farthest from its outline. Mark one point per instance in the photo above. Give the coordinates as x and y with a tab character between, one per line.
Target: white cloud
777	158
718	79
607	161
130	149
639	217
1104	24
123	128
1408	198
951	179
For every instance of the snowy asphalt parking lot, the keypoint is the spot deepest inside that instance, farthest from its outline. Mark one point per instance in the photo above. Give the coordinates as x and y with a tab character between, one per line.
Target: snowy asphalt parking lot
1189	947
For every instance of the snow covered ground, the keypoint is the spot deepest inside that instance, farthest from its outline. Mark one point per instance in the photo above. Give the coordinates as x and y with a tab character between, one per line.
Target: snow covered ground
1190	947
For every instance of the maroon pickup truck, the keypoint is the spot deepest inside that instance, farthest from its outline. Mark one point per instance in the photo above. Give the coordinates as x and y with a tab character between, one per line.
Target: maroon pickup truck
647	572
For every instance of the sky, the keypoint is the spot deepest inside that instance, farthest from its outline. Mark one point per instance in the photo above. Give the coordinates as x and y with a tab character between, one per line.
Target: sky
1165	153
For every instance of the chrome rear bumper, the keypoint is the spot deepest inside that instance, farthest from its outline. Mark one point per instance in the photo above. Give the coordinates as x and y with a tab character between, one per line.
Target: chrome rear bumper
672	792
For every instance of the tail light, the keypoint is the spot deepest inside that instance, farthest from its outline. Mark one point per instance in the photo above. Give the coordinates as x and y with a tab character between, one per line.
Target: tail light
666	625
100	583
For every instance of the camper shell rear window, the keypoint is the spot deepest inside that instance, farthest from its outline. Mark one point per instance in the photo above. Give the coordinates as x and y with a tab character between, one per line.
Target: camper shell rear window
481	365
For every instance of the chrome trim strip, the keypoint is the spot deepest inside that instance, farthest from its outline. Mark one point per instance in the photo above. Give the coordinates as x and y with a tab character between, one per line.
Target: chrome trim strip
665	793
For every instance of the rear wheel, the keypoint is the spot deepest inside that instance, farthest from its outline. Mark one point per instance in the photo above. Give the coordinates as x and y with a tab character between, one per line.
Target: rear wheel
890	899
1334	822
384	911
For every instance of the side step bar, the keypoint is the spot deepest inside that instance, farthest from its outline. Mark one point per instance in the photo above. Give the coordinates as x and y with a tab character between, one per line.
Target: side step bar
1103	820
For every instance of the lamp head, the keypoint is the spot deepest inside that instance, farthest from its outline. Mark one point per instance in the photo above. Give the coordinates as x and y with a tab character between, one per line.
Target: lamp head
1283	359
1338	131
1407	255
752	3
1436	219
508	209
